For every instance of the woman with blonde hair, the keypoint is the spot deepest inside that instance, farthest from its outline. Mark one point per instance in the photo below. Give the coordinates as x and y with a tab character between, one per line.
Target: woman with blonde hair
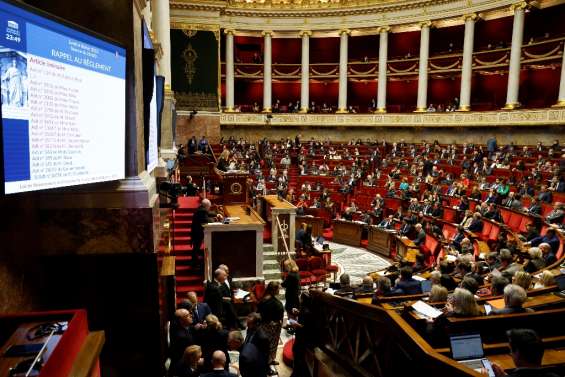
190	363
523	279
214	338
438	294
546	279
462	303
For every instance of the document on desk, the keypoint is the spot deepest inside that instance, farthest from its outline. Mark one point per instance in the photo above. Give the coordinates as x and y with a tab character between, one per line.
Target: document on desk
429	311
240	294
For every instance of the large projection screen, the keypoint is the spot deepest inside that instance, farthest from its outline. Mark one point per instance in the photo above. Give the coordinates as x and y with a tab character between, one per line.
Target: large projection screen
63	103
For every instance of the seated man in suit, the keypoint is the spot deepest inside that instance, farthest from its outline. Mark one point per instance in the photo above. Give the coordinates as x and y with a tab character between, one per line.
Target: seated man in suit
387	223
514	297
219	365
534	208
550	238
476	225
527	353
406	284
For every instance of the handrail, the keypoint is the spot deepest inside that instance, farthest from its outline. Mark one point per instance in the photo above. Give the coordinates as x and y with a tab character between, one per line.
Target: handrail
370	341
87	359
282	237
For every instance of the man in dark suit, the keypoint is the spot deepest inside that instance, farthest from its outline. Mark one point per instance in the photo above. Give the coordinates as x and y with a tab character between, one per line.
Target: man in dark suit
219	364
545	195
387	223
201	217
251	361
181	333
406	228
199	309
534	208
420	235
407	285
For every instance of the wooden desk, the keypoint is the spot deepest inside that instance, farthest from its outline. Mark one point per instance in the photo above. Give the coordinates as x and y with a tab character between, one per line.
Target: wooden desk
380	240
238	244
317	224
19	337
534	302
550	357
347	232
405	248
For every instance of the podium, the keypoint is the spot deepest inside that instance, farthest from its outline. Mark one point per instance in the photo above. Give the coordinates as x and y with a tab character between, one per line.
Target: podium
272	208
234	187
238	244
380	240
317	224
406	248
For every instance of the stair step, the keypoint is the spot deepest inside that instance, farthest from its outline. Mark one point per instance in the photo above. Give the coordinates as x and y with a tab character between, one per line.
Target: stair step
194	279
188	288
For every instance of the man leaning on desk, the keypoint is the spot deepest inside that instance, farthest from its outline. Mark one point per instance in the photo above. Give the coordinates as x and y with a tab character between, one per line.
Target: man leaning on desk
201	217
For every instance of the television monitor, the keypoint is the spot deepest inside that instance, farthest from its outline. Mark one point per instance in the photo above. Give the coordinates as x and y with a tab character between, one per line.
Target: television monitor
63	109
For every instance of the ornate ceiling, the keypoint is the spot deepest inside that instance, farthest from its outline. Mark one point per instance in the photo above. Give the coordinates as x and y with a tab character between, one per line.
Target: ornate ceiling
303	4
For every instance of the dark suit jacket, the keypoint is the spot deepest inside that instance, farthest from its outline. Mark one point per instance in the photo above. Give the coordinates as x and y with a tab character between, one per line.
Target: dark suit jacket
200	312
510	311
420	238
180	339
201	217
251	362
476	226
213	297
408	287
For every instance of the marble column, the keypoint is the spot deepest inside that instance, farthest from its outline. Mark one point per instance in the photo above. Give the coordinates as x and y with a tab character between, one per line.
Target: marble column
305	74
267	73
515	55
162	29
422	101
382	80
467	68
230	77
342	99
561	99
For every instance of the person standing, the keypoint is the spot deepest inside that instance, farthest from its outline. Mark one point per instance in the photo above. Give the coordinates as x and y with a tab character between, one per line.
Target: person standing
291	285
272	313
201	217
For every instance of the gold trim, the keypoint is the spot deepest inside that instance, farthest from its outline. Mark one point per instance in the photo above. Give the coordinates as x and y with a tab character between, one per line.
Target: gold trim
264	33
421	110
519	6
464	108
512	106
383	29
229	31
342	111
424	24
191	26
267	110
560	103
302	33
303	110
470	16
229	110
380	110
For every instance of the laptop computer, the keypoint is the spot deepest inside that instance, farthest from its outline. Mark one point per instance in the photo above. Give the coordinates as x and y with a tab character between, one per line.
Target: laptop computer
468	350
426	286
560	281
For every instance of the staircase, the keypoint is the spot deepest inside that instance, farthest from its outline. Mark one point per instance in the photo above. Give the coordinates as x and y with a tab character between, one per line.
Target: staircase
187	279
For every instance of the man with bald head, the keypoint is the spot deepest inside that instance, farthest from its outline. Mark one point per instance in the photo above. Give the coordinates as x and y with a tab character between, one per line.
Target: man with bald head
201	216
181	333
219	364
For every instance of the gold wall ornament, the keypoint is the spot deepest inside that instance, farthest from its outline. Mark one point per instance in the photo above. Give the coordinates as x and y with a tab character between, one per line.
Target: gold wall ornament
190	56
189	32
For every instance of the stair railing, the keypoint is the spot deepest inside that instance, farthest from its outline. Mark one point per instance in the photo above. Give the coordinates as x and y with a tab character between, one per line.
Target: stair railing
282	235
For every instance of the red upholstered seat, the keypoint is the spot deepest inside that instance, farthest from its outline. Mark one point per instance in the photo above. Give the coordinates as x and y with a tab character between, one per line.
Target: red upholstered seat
525	221
316	267
430	248
305	275
288	355
506	214
449	214
449	231
514	221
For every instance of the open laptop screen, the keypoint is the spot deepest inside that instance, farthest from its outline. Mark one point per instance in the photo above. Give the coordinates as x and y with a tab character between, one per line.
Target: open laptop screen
464	347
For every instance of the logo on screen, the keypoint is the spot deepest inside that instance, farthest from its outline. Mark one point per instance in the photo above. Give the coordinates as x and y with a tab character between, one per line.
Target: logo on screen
13	31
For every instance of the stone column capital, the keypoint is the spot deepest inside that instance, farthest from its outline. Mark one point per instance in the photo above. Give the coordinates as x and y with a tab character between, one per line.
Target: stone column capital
264	33
522	5
383	29
471	17
425	24
229	31
305	32
344	31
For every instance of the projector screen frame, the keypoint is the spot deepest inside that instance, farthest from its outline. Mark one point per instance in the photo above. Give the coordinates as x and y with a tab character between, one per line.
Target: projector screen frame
89	32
